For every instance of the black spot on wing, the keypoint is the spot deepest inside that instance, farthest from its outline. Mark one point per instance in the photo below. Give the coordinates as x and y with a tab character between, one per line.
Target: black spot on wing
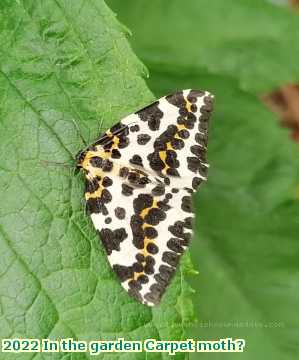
184	134
205	111
172	172
196	181
155	161
106	196
91	185
150	232
124	171
108	220
193	163
136	179
166	181
107	181
170	258
134	292
136	160
115	154
201	139
175	244
162	278
107	165
143	139
134	128
163	205
178	230
155	294
158	190
171	159
96	161
149	267
120	213
123	272
123	142
143	279
199	151
111	239
194	94
152	248
187	204
137	231
188	222
154	216
177	144
176	99
137	267
94	206
143	201
127	190
140	257
152	115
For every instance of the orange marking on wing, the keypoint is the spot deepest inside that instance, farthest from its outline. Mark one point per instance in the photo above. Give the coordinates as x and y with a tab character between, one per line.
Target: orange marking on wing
147	240
188	105
95	194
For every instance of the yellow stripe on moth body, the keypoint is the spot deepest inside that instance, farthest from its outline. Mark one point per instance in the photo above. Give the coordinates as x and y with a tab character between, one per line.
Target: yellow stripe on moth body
162	153
95	194
188	105
145	211
181	127
147	240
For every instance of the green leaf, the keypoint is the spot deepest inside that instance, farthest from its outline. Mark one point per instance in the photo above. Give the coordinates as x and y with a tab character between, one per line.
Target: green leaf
67	71
251	41
247	213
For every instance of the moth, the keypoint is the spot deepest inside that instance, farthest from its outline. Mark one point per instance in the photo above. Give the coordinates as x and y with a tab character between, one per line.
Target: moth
140	176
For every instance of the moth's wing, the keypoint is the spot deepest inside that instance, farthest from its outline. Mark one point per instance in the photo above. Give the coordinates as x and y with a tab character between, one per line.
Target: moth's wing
144	231
168	138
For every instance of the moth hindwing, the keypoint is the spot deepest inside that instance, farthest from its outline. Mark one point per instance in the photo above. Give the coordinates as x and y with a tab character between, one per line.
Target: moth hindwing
140	176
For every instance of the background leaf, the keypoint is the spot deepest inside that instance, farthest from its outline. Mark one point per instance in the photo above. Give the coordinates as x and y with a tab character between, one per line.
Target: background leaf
252	41
247	219
66	70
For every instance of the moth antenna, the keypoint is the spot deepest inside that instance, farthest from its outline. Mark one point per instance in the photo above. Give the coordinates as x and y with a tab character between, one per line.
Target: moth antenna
100	131
84	206
79	132
46	163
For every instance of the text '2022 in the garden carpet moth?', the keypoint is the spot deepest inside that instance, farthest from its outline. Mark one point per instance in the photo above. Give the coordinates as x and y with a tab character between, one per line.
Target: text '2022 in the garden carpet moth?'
140	176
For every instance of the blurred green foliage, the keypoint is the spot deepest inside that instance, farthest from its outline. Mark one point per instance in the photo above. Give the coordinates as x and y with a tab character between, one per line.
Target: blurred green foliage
246	243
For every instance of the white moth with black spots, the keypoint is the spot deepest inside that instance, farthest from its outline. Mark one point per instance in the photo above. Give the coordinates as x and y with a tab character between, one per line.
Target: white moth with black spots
140	176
